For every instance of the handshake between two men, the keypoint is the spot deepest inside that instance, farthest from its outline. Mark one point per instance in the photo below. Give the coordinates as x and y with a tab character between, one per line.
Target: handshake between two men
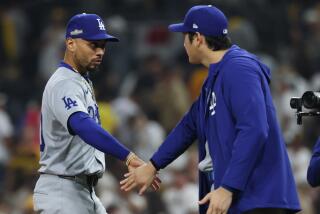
141	175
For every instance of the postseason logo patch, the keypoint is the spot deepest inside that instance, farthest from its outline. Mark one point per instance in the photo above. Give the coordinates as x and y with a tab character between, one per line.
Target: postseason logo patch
76	32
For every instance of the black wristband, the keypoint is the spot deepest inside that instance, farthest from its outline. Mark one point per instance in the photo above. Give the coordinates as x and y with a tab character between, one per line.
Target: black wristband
154	165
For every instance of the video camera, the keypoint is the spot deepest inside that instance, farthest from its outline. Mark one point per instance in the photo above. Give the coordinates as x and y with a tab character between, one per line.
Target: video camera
309	100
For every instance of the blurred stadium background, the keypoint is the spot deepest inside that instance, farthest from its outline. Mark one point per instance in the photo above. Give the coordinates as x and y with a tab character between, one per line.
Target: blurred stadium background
144	87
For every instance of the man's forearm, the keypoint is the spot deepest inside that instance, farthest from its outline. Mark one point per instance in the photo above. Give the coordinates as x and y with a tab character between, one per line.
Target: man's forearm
90	132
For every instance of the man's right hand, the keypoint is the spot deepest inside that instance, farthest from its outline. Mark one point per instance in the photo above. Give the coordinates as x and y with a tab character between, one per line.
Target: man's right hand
133	162
143	177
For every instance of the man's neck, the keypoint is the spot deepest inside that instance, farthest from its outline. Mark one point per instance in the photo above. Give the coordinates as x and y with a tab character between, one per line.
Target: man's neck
211	57
67	59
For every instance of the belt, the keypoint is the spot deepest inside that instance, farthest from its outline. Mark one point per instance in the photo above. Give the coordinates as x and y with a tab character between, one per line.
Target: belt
89	180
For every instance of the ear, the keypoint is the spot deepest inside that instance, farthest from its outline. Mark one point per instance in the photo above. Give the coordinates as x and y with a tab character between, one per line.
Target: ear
70	44
200	39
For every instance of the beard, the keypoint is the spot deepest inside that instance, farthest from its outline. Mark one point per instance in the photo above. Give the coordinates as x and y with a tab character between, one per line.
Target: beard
92	68
85	66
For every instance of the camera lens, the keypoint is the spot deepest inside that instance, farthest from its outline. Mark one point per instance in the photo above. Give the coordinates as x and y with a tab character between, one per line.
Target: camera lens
311	99
295	102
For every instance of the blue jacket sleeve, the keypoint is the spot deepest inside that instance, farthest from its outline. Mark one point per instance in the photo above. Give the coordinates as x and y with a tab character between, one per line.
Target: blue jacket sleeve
313	175
89	131
180	138
243	91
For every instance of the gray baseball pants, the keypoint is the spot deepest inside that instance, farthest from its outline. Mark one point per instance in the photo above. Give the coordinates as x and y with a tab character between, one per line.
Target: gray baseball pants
57	195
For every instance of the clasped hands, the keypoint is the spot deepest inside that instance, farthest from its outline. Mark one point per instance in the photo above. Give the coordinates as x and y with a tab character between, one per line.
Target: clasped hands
140	175
143	175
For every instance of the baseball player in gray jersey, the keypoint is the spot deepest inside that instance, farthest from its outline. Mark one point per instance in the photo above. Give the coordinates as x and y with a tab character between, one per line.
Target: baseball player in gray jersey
73	143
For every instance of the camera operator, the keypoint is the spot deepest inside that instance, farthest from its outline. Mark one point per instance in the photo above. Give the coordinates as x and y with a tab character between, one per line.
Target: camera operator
313	175
310	100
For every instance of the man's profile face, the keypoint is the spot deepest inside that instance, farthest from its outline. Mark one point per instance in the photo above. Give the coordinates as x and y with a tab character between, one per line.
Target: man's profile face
88	54
191	49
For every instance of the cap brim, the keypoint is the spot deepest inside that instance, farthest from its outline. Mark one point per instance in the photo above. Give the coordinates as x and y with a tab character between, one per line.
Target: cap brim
103	37
112	38
180	27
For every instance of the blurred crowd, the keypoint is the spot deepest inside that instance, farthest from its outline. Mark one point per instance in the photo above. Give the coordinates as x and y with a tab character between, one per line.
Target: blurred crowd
145	85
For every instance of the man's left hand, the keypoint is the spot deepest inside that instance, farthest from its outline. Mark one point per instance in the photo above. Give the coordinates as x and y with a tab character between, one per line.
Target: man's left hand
220	201
143	177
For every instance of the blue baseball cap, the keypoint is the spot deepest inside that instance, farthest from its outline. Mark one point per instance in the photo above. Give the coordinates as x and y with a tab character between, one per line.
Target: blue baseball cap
205	19
88	27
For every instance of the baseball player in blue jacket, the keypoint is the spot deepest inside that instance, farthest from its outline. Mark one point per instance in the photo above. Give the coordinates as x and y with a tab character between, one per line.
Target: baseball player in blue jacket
244	166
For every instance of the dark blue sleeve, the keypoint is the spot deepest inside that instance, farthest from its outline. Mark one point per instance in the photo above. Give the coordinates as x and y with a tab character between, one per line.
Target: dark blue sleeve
243	92
89	131
313	175
180	138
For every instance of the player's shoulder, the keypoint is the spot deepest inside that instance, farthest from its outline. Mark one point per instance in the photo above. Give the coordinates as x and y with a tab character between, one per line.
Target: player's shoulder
241	64
237	57
64	78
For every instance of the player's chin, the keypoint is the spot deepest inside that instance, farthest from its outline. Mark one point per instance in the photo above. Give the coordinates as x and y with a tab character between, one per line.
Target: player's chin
93	67
193	61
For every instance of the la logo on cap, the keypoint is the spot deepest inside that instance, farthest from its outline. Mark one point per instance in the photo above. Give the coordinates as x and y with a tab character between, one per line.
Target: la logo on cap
101	25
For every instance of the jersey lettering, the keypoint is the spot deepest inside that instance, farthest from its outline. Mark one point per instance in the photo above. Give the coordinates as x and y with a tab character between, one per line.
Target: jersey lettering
42	144
213	103
91	112
97	115
69	103
94	113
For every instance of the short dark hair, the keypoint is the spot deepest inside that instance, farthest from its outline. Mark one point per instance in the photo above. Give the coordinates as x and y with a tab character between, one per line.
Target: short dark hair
215	43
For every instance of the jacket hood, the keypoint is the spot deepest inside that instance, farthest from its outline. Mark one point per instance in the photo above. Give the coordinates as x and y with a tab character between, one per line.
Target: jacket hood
236	51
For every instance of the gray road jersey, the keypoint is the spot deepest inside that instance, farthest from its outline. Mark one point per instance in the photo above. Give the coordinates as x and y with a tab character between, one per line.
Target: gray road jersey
61	153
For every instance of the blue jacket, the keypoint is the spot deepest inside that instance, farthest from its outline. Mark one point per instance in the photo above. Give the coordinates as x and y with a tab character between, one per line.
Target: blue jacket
235	114
313	175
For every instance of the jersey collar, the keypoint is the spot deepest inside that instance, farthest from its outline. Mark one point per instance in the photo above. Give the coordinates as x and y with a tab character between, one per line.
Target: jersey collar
63	64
